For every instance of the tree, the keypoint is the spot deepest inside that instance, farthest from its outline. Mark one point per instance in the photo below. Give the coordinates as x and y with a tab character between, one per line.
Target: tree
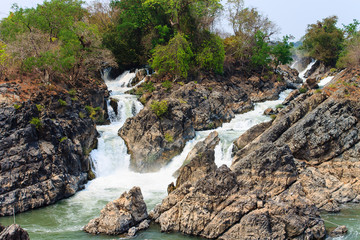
260	58
324	41
174	58
281	52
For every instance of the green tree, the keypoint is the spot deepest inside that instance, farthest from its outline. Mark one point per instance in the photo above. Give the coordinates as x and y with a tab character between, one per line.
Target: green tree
260	58
281	52
212	54
174	58
324	41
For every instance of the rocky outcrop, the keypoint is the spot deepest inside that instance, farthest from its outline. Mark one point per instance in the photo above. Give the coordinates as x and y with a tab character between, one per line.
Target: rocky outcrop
243	202
119	216
13	232
152	141
306	160
44	148
200	160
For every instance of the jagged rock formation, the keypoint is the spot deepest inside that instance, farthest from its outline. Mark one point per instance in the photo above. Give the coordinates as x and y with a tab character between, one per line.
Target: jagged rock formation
122	214
13	232
44	148
192	106
307	159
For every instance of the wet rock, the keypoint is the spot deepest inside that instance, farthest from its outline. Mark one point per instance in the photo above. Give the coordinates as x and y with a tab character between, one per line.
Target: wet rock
339	231
199	161
291	97
269	111
250	135
311	83
140	74
13	232
114	105
119	216
142	226
289	74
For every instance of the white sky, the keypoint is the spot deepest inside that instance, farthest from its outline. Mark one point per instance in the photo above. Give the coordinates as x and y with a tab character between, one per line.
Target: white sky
291	16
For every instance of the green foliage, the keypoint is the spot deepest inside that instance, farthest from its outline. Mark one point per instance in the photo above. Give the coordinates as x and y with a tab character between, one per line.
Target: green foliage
36	122
303	90
318	91
273	116
91	111
174	58
159	108
279	106
39	107
167	85
261	52
149	86
212	54
169	138
62	102
350	56
63	139
72	92
281	52
324	41
81	115
17	106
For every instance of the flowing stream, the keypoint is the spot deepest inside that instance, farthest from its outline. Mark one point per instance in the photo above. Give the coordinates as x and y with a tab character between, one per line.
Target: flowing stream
65	219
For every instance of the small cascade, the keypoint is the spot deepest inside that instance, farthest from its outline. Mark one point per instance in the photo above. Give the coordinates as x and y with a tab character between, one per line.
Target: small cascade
302	74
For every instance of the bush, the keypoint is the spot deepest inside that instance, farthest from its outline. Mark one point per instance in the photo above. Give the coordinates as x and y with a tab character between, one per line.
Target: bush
173	58
279	106
39	107
303	90
212	54
149	86
81	115
63	139
167	85
159	108
62	102
36	122
17	106
169	138
72	92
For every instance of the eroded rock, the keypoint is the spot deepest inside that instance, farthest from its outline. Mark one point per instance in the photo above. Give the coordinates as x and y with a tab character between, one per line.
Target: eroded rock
119	216
13	232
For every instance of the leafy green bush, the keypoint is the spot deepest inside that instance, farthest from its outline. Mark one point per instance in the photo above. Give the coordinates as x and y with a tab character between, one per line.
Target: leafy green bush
167	85
39	107
62	102
81	115
17	106
173	58
303	90
212	54
279	106
159	108
169	138
63	139
149	86
36	122
72	92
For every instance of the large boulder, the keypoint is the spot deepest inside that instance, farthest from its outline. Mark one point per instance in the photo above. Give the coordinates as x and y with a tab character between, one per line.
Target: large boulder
13	232
119	216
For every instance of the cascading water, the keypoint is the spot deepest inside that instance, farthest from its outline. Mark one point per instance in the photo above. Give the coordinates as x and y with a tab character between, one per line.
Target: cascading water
65	219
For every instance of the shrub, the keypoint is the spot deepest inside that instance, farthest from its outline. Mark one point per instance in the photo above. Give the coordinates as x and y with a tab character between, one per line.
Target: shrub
17	106
149	86
279	106
63	139
72	92
39	107
303	90
62	102
173	58
318	91
36	122
273	116
212	54
159	108
81	115
181	83
169	138
167	85
91	111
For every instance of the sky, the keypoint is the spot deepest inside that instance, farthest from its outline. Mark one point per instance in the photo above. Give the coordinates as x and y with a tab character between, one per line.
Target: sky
291	16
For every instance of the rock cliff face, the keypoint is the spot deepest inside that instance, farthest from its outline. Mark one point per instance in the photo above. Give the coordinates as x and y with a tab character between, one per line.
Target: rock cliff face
281	175
44	148
152	141
119	216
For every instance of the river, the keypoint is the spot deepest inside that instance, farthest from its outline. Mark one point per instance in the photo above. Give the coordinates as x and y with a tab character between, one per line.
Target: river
65	219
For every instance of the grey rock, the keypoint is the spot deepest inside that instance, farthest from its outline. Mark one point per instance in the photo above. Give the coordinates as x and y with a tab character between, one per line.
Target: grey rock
13	232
